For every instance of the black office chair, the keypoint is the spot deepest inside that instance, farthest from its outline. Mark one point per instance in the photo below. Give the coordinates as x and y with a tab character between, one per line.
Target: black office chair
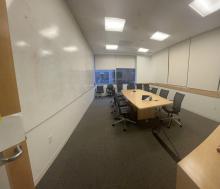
99	90
139	86
119	87
154	90
124	111
110	90
164	93
173	111
147	87
131	86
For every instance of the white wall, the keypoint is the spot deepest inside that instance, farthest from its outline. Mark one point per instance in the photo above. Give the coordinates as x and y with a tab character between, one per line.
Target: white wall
160	66
114	61
4	182
143	69
55	86
178	63
204	67
197	61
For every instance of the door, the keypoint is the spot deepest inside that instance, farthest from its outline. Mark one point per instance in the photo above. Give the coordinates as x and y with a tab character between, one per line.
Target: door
15	169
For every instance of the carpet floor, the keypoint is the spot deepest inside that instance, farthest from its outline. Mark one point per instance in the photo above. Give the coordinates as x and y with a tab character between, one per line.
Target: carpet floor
99	156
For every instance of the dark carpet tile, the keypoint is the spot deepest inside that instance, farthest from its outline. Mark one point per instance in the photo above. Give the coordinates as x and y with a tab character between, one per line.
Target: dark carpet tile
99	156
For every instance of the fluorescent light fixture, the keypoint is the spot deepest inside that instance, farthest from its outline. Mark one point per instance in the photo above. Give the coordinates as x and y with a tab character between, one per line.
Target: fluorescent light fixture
205	7
70	49
114	24
21	44
44	52
143	50
111	47
159	36
50	32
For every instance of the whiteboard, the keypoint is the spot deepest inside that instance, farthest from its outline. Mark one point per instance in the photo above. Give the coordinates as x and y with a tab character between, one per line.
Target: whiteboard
178	63
54	65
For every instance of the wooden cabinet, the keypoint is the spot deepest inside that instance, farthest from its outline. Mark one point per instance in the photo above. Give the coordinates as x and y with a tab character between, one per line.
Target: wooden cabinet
200	169
19	171
9	101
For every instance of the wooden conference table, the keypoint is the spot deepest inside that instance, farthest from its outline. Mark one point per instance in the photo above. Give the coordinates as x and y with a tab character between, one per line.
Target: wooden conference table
145	109
201	168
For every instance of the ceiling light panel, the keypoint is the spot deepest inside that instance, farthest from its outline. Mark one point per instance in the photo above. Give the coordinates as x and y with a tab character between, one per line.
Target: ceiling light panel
205	7
114	24
143	50
111	47
159	36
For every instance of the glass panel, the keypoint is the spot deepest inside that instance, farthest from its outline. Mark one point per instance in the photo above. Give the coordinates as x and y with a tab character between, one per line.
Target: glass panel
105	76
125	75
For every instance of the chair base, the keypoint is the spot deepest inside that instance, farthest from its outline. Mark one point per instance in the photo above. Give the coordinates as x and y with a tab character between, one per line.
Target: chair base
171	118
124	121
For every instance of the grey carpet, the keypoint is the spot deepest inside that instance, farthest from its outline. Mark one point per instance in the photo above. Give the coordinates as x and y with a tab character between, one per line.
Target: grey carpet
98	156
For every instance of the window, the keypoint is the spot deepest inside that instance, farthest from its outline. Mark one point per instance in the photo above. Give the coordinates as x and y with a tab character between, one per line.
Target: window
105	76
125	75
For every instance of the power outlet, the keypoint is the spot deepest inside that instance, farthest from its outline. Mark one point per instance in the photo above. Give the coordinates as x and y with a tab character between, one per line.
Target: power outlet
50	139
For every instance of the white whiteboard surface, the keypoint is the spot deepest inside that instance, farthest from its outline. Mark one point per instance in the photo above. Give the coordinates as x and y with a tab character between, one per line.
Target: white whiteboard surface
160	66
204	69
52	60
178	63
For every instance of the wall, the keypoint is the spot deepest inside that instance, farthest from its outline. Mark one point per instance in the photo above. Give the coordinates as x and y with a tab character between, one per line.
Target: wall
143	69
114	61
55	74
192	63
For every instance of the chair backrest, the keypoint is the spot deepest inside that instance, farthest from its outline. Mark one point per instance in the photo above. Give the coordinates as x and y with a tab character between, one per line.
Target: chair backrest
119	87
164	93
139	86
110	87
100	89
147	87
177	102
131	86
154	90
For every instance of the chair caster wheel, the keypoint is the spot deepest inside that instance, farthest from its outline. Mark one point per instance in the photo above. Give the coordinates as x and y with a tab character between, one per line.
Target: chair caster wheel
113	125
124	130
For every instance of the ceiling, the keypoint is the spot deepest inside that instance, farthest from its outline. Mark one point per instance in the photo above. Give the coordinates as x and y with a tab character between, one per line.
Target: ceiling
143	18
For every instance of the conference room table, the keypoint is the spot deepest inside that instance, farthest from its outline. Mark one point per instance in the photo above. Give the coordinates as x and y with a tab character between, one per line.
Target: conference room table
145	109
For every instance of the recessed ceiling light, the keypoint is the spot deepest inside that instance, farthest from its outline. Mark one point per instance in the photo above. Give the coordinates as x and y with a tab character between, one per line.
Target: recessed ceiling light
22	44
44	52
50	32
114	24
159	36
70	49
143	50
111	47
205	7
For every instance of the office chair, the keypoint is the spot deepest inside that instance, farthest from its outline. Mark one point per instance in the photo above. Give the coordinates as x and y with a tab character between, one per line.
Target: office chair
124	111
131	86
173	111
164	93
110	90
99	90
139	86
119	87
147	87
154	90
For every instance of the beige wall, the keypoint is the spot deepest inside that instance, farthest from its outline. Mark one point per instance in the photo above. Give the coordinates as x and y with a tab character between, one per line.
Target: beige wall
114	61
193	63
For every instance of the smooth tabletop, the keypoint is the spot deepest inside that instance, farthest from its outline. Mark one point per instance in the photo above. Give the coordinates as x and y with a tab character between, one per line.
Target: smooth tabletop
202	165
135	97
